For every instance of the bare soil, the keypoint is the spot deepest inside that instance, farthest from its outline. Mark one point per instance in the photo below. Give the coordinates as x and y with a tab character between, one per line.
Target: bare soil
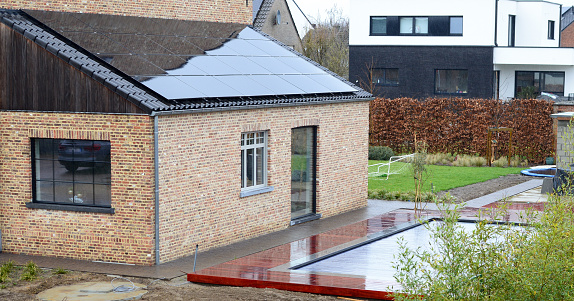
21	290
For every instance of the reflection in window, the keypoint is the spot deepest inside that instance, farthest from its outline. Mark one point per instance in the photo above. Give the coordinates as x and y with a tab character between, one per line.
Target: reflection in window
456	25
378	25
550	30
451	81
385	76
410	25
536	82
72	172
253	159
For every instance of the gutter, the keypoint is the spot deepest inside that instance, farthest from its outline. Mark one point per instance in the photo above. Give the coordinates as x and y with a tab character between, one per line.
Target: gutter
251	107
156	176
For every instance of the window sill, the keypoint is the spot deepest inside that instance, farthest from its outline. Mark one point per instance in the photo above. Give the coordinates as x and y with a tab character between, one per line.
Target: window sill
70	208
306	218
250	192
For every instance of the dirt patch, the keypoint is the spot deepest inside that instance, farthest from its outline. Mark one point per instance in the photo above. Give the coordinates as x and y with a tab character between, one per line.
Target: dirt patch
21	290
473	191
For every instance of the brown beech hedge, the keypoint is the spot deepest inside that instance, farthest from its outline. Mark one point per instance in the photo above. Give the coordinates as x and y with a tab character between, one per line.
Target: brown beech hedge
457	125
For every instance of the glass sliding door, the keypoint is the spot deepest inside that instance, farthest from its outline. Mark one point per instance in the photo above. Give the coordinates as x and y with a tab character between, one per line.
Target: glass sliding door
303	167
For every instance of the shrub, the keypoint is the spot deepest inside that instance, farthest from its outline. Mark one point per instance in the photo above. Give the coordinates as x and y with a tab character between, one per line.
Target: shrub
494	262
31	271
500	162
380	153
5	271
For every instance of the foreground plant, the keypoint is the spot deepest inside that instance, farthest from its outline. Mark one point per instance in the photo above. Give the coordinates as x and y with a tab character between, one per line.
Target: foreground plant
31	272
494	262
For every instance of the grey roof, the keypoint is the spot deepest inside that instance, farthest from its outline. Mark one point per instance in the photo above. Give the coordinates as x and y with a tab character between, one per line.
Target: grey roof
263	12
159	69
567	17
81	60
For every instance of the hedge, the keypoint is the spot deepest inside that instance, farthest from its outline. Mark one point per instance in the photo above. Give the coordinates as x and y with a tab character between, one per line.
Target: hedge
457	125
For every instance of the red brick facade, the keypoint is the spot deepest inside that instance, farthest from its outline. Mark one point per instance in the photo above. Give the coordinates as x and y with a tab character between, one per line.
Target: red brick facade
230	11
200	172
567	36
126	236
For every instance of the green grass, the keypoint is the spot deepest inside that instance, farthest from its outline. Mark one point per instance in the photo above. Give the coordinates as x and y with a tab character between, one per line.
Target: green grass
442	177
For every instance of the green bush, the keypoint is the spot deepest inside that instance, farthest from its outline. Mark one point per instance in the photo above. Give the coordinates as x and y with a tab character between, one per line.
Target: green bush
494	262
380	153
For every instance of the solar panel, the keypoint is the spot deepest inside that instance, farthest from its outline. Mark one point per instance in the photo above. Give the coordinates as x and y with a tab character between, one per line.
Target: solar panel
194	59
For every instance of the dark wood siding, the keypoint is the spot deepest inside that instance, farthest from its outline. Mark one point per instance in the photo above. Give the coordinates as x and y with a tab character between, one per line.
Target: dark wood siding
32	78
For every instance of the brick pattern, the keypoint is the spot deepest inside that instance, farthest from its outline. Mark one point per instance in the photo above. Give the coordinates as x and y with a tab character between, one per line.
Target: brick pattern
126	236
228	11
199	158
567	37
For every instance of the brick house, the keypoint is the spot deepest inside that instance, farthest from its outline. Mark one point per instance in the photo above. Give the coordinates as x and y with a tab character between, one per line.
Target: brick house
130	139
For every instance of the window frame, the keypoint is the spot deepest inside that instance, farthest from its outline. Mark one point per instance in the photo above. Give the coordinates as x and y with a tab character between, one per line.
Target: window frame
55	161
541	81
450	93
385	82
248	190
551	26
436	26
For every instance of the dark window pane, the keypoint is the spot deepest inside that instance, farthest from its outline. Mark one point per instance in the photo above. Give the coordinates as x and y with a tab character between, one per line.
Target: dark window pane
554	83
451	82
456	25
259	165
102	195
385	76
250	162
84	194
45	149
45	170
378	25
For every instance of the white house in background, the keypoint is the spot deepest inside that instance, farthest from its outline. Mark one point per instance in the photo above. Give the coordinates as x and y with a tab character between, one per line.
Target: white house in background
472	48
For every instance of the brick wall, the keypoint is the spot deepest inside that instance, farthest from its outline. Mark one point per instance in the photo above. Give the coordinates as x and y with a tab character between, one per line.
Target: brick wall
126	236
567	36
200	172
230	11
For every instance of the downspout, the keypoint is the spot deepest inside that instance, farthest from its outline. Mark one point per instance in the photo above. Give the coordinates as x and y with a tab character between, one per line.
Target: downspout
156	175
496	23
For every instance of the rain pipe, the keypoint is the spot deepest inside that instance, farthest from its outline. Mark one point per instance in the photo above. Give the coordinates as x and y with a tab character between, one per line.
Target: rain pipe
156	171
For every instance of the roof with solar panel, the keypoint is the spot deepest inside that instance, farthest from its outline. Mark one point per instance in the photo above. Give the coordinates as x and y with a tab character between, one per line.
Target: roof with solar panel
168	65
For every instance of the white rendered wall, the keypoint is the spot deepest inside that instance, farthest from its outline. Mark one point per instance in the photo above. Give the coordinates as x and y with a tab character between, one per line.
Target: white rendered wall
533	56
507	77
531	23
478	21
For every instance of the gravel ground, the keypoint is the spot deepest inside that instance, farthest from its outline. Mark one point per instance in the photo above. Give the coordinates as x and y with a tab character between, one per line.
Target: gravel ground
19	290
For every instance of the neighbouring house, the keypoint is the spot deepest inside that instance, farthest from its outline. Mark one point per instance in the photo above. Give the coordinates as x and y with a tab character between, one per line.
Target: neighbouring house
131	139
567	31
474	49
274	18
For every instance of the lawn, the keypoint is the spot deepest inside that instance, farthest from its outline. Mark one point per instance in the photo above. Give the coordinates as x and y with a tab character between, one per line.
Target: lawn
441	177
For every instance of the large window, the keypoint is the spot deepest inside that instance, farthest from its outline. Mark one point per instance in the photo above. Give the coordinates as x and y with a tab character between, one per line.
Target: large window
454	82
253	160
534	82
420	25
385	76
71	172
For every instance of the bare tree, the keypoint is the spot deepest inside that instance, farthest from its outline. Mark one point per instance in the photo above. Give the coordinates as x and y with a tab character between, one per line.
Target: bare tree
328	42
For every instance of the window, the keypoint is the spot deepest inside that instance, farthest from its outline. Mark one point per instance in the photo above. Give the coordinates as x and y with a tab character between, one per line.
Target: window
385	76
378	26
455	26
451	82
253	160
550	30
422	25
71	172
414	25
511	30
534	82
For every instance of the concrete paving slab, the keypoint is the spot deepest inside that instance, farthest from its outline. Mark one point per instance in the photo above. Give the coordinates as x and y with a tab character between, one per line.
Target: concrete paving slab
502	194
